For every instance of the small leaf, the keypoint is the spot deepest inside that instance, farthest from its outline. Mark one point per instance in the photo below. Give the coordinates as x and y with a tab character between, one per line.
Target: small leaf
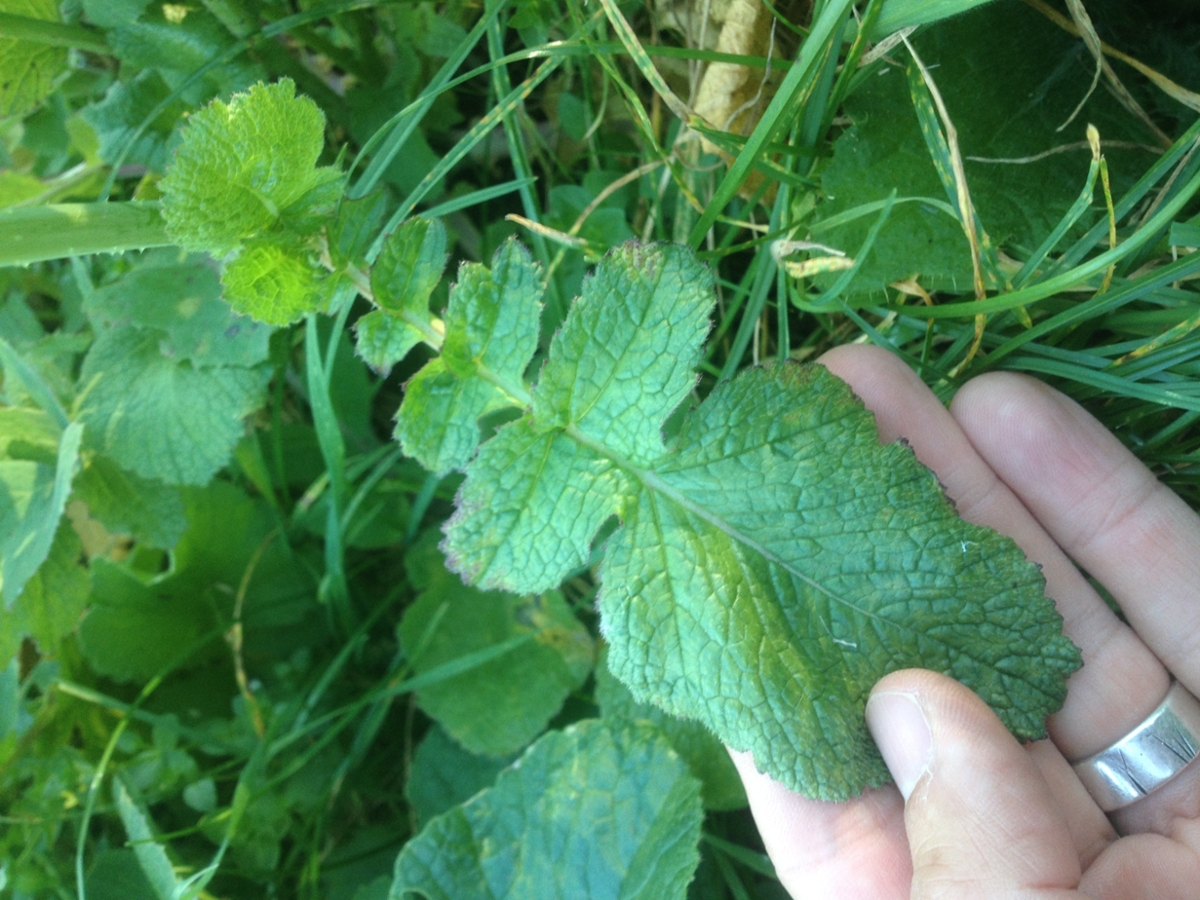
273	283
491	333
49	607
500	706
244	167
382	339
586	812
409	267
355	226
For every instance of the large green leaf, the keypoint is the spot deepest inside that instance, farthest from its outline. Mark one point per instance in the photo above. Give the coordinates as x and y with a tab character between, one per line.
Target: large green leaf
180	297
138	627
500	706
1004	113
586	812
773	563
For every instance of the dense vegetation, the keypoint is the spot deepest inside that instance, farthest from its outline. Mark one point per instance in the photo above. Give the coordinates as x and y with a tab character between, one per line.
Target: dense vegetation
279	281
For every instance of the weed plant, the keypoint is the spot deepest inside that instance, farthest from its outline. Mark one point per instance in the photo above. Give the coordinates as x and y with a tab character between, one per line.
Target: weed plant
232	662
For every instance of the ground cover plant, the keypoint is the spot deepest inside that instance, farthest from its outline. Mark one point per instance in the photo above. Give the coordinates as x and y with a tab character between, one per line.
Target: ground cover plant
409	440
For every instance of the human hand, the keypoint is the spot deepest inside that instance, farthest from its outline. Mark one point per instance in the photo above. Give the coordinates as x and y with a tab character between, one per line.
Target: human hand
985	817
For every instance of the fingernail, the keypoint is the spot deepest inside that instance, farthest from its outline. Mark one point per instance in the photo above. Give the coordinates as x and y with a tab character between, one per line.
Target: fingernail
901	732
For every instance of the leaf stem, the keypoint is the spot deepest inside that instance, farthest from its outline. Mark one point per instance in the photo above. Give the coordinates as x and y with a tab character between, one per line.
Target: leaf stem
55	231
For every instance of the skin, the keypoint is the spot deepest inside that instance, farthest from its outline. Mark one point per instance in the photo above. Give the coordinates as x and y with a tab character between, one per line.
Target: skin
982	816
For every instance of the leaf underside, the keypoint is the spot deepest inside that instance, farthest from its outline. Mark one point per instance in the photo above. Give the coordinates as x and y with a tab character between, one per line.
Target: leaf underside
771	565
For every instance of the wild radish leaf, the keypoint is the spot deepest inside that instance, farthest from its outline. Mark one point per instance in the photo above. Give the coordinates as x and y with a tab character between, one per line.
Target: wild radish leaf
590	811
773	563
246	167
405	274
160	418
491	334
500	706
28	69
721	786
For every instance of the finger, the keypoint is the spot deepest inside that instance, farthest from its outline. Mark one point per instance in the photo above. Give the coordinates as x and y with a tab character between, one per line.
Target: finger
853	851
978	815
1109	513
1117	664
1100	504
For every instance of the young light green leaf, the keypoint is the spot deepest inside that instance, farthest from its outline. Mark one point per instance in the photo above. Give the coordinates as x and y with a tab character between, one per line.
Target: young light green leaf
244	168
777	542
408	269
273	283
586	812
160	418
498	707
492	327
27	68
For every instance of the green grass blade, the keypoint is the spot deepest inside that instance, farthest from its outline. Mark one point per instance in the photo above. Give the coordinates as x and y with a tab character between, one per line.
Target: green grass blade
392	137
477	132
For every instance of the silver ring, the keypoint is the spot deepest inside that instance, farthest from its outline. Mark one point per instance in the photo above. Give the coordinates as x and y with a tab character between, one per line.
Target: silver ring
1148	757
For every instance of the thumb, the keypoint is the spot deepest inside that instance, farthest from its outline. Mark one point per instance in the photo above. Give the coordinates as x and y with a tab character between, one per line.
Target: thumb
979	817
